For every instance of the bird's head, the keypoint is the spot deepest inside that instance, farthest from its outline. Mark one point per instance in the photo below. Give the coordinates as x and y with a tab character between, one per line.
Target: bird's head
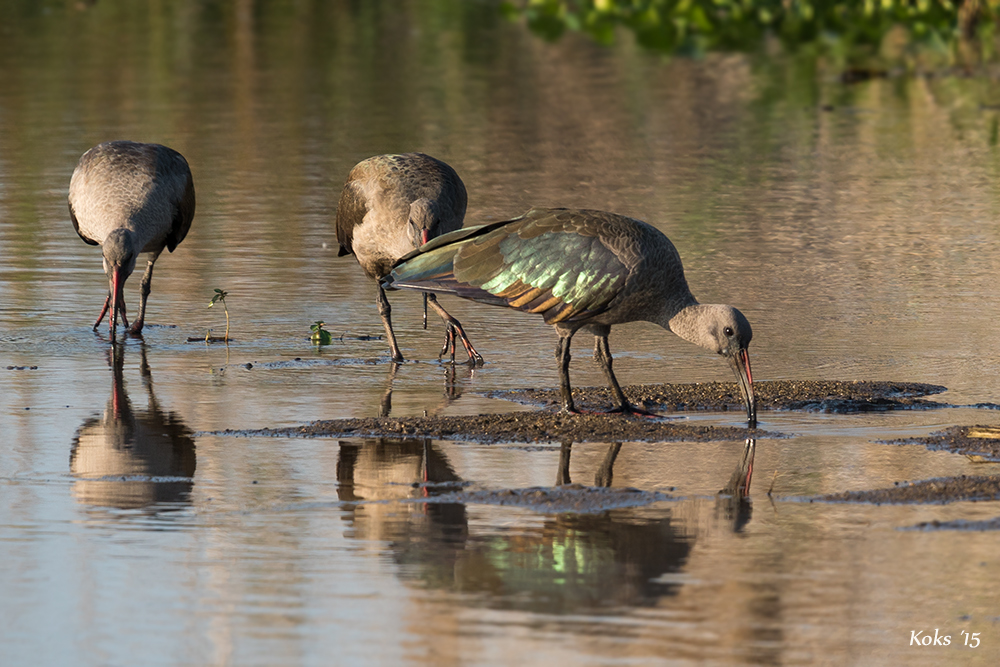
725	331
423	223
119	262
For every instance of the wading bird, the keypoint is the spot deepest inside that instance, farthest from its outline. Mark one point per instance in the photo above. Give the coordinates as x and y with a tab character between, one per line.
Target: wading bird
585	270
390	205
130	198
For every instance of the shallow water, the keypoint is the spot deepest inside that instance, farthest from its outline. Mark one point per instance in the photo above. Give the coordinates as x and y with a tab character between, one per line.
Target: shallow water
861	242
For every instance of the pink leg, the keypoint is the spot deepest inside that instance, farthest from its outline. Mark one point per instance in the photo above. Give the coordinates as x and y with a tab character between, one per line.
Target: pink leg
107	303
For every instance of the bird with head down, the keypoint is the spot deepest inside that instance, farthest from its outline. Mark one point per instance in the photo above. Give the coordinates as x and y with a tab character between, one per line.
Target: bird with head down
581	270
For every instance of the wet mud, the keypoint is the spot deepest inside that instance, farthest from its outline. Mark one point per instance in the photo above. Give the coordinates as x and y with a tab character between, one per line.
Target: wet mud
940	491
810	396
514	427
980	443
959	524
547	425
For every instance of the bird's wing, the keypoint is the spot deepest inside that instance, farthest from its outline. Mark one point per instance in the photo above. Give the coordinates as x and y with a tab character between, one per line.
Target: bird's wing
549	261
76	226
183	206
350	212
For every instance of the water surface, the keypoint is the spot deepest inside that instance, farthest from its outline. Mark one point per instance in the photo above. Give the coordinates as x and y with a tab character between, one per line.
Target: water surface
854	225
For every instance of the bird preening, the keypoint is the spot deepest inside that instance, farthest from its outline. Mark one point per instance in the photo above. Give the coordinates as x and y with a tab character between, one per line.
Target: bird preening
390	205
130	198
580	269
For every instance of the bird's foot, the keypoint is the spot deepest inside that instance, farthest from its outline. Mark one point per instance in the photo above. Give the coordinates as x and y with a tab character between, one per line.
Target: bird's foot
629	409
475	359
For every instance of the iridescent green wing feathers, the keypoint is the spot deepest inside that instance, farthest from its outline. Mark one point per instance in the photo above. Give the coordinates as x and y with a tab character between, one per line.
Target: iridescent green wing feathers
548	261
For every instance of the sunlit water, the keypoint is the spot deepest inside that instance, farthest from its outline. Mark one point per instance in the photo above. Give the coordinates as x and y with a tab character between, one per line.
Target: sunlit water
856	226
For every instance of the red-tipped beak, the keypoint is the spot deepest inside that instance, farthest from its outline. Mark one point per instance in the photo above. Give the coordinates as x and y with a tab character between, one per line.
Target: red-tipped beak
117	297
425	236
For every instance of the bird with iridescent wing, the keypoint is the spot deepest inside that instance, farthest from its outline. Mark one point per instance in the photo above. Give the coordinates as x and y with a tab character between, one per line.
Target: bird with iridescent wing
580	269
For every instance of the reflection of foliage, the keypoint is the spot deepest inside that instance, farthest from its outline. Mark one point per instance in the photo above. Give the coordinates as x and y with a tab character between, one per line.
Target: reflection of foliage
697	26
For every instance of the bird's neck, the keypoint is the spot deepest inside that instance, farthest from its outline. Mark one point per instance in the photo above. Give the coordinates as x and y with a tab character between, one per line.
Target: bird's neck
688	323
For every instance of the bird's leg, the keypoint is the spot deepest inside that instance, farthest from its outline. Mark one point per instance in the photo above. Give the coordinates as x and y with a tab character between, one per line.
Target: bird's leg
107	304
113	318
562	354
449	342
144	287
385	311
602	354
475	359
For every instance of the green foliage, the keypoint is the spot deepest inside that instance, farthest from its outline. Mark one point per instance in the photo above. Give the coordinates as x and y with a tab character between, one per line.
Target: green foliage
694	27
320	336
220	297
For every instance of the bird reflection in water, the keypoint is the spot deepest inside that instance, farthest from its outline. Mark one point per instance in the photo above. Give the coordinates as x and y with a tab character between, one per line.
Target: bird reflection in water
733	501
563	562
452	387
133	458
386	469
605	472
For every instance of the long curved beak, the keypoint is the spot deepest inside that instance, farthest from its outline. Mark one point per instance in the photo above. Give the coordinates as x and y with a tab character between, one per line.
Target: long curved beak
117	297
741	366
425	236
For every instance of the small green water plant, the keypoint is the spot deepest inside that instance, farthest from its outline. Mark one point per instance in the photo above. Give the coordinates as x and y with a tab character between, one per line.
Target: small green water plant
320	336
220	297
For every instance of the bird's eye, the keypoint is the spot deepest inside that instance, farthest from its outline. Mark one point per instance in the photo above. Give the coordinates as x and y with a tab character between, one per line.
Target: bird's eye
728	331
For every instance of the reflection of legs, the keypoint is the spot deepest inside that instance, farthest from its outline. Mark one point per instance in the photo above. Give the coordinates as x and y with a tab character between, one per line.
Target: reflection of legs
144	287
562	474
605	474
385	311
385	407
454	327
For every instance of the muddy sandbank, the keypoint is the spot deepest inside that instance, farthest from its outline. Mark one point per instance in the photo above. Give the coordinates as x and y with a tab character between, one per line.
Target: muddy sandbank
514	427
547	425
940	490
836	396
978	442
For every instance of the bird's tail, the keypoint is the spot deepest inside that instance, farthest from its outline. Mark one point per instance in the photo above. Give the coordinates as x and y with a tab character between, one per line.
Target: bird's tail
431	267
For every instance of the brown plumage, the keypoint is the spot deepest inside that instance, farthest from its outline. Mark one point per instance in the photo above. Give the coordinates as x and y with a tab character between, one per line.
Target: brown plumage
580	269
130	198
390	205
